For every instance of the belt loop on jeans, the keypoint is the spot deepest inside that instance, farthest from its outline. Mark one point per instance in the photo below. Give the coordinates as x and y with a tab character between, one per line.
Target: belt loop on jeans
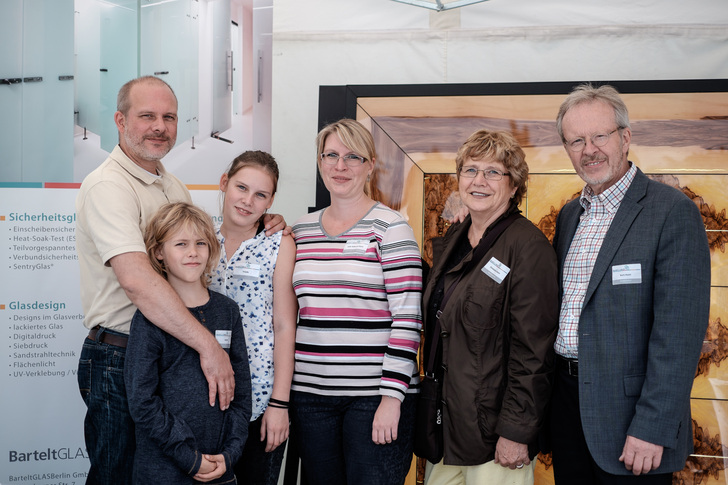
99	334
570	366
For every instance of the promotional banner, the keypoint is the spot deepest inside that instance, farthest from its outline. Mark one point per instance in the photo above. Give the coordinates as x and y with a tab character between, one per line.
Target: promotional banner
41	410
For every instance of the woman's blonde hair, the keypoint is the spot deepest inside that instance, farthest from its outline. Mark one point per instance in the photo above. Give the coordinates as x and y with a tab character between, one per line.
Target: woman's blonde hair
352	134
169	219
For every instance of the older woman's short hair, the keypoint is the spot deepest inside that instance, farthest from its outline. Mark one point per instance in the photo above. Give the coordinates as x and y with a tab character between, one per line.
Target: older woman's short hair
352	134
502	147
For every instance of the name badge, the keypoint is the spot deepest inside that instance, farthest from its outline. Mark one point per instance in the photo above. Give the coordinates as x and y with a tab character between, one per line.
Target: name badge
627	274
358	246
496	270
223	338
249	270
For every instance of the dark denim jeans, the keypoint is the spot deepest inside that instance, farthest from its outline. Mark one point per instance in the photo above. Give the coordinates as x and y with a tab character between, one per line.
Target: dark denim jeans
256	467
334	438
108	427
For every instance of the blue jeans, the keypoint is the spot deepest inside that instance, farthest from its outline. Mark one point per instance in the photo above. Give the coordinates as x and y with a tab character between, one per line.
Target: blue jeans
334	438
108	427
256	467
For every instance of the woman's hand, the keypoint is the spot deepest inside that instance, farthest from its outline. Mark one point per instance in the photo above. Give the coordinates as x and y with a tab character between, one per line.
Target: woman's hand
386	421
274	427
511	454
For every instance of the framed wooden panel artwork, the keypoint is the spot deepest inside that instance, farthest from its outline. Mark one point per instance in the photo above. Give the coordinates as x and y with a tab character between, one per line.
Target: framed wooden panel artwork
679	137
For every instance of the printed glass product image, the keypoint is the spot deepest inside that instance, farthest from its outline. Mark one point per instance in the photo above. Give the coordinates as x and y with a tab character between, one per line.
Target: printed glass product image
679	137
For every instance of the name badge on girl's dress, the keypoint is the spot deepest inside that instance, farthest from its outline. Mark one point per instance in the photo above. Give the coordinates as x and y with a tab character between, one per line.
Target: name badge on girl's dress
496	270
249	270
356	246
627	274
223	338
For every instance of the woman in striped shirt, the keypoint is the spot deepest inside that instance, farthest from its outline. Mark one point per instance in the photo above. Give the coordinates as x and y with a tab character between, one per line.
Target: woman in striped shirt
358	280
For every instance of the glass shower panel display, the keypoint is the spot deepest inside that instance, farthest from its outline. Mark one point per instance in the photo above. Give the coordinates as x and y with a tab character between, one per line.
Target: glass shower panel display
11	88
221	66
192	67
47	91
118	60
87	30
36	91
237	45
168	36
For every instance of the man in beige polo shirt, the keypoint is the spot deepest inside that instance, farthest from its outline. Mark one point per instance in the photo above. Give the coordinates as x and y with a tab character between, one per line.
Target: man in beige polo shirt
113	206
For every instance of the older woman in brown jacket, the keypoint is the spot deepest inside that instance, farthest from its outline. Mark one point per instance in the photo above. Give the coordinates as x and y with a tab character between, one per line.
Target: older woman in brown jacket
498	326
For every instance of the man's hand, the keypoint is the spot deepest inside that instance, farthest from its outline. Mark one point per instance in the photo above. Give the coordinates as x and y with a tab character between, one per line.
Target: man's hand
274	223
511	454
460	215
215	364
386	421
151	294
640	456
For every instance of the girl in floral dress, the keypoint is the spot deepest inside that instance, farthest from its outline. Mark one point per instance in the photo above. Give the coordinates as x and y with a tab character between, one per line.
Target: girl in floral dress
256	270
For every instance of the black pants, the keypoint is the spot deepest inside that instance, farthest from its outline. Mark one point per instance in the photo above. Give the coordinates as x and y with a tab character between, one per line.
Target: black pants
573	464
256	467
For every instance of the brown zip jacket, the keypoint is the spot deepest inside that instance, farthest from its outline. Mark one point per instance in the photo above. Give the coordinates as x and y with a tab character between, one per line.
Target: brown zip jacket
497	341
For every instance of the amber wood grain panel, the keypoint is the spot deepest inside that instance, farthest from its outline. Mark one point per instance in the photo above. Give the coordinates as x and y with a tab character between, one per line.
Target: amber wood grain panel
678	138
660	106
447	134
707	465
441	199
712	371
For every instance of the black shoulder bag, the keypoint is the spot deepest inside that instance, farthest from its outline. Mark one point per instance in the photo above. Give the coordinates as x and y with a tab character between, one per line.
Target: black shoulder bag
428	442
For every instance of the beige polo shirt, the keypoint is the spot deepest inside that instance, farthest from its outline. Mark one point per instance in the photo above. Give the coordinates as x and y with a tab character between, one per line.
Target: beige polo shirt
113	206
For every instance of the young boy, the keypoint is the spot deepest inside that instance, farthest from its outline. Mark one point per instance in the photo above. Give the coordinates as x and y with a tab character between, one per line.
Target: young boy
180	438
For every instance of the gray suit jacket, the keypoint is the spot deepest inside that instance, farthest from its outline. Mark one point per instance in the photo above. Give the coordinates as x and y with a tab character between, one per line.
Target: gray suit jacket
639	343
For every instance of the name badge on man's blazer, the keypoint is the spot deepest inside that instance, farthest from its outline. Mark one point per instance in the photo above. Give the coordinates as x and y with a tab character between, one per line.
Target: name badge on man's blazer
627	274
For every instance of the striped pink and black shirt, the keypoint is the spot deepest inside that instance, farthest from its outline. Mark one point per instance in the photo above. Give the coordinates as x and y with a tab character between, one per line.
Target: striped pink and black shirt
359	306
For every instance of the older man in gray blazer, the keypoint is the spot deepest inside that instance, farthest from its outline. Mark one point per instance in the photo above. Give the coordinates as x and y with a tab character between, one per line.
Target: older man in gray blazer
635	289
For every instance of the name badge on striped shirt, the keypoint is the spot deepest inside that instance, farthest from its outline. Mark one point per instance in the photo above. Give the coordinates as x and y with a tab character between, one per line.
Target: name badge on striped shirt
356	246
223	338
627	274
496	270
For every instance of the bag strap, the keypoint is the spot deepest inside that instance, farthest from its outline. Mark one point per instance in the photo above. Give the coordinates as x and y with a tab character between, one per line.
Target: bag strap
483	246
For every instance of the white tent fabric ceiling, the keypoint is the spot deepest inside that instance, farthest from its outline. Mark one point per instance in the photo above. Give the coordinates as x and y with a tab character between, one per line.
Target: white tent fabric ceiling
333	42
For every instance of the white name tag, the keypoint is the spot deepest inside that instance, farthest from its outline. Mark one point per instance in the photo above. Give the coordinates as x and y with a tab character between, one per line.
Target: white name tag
627	274
358	246
223	338
249	270
496	270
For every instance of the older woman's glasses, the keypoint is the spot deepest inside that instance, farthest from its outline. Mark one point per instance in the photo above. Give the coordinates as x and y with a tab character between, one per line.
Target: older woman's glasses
598	140
488	173
351	160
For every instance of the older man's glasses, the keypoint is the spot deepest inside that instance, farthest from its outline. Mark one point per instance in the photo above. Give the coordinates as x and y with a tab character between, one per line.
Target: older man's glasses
598	140
488	173
351	160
